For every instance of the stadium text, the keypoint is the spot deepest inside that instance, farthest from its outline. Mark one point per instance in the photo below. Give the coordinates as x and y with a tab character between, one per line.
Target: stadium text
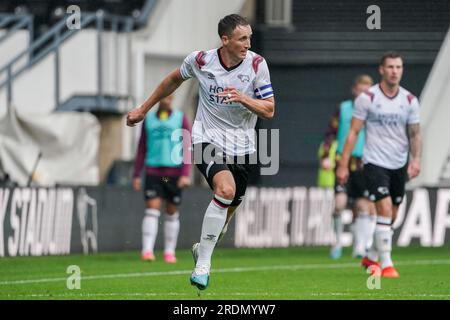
280	217
39	221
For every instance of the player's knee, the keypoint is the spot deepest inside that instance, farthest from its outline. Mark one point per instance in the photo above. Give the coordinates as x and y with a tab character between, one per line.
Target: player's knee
226	191
171	210
384	207
340	202
361	205
154	203
372	209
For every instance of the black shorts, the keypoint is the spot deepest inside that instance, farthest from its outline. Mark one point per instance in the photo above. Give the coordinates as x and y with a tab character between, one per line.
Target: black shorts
383	182
355	187
162	187
219	161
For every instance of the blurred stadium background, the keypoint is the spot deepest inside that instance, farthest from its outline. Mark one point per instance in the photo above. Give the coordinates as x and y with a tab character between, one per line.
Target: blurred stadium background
66	156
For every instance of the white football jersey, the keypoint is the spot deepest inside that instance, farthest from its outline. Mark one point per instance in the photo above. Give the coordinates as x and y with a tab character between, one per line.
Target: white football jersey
227	125
386	121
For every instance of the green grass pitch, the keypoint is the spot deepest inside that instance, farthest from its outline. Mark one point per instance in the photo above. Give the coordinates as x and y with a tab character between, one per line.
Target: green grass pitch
289	273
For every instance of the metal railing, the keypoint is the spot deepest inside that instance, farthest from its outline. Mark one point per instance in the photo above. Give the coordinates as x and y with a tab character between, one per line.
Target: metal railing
14	22
51	42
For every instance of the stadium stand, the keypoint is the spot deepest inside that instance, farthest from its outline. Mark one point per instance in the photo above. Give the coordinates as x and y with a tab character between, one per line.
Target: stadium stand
48	13
51	54
320	51
315	57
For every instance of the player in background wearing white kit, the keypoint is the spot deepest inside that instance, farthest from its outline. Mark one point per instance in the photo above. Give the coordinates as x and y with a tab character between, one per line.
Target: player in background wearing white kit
234	90
391	116
354	192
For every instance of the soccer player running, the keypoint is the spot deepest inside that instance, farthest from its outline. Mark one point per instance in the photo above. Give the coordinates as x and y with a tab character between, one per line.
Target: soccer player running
234	90
355	190
165	176
391	116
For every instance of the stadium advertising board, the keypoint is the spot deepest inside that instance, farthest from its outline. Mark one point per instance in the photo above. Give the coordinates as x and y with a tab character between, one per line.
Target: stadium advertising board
60	221
281	217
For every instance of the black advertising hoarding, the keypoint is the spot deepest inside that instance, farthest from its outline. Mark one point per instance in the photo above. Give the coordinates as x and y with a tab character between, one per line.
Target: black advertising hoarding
65	220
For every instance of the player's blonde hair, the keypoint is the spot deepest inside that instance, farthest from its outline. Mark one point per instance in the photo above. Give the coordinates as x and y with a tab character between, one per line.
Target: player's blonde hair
363	79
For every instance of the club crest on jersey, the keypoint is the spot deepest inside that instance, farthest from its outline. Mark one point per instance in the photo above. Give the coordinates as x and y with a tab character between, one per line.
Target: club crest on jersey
244	78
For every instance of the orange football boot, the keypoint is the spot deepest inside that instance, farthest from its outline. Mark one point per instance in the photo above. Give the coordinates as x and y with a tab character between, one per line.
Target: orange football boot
389	272
366	263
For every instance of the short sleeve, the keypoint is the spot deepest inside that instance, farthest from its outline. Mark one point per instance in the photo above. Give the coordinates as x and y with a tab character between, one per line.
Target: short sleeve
262	86
187	67
414	114
361	108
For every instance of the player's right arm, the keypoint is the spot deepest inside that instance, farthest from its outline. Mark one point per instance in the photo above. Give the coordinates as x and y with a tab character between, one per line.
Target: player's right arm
139	159
342	171
330	136
360	113
164	89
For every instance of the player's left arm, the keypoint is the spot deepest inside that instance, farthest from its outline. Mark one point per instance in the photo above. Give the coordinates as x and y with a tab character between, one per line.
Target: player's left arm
415	141
263	103
184	180
415	138
264	108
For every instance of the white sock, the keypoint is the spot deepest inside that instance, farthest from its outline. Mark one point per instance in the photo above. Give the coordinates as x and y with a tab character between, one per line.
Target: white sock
213	222
171	230
372	253
361	233
370	230
338	228
383	239
149	229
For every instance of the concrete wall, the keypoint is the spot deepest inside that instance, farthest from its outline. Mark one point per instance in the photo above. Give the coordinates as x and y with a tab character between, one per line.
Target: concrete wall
78	71
13	45
435	115
110	142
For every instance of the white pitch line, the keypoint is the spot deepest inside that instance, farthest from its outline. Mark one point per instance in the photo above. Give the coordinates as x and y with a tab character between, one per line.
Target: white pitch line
232	270
233	294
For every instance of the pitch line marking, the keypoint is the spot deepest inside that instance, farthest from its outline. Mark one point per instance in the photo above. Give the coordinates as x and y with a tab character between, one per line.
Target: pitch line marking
225	270
234	294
